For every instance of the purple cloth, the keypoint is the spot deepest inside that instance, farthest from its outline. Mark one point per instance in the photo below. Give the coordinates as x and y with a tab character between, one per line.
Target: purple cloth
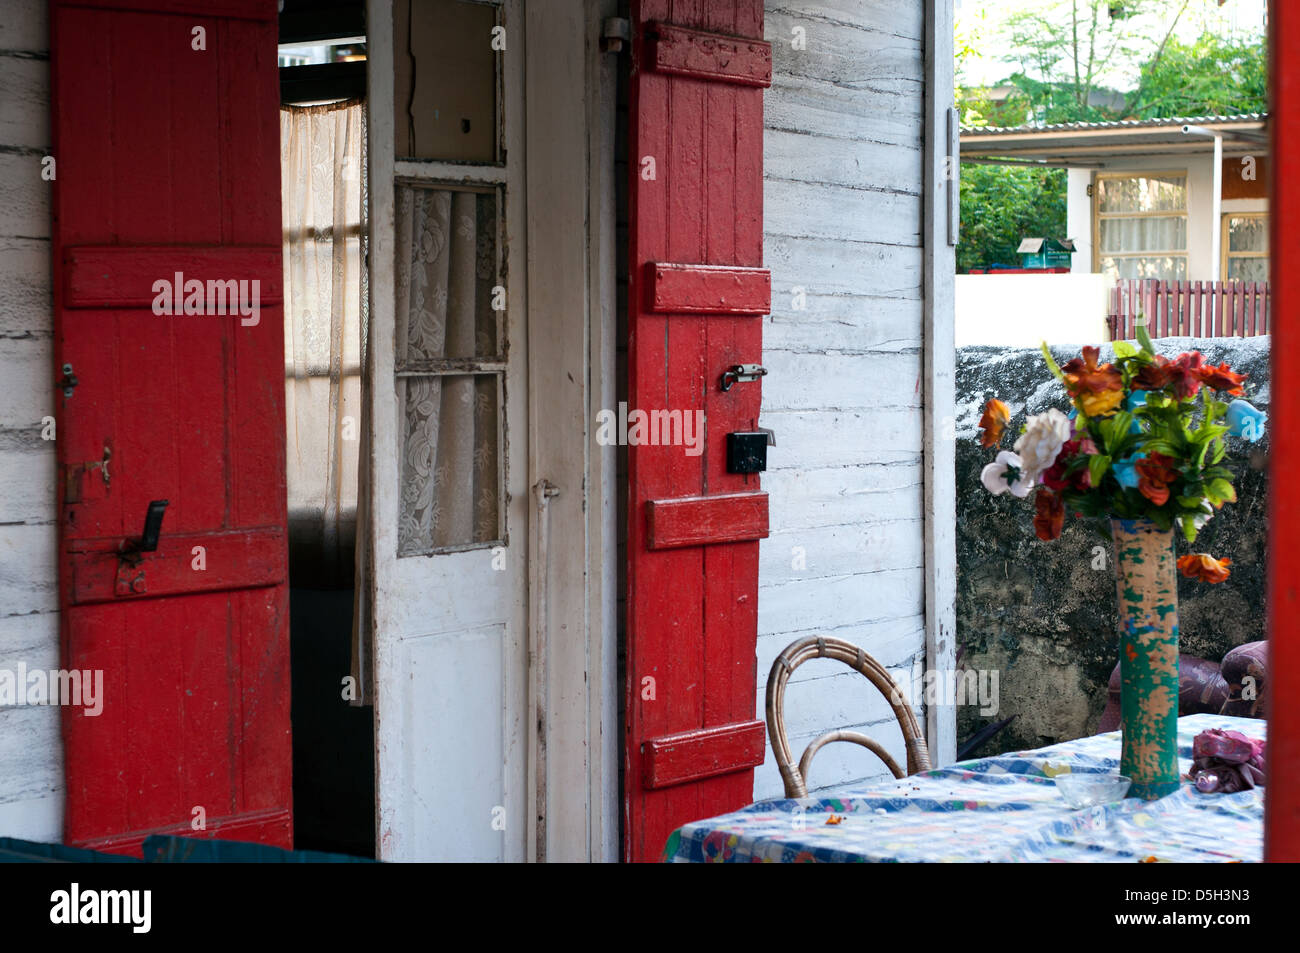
1224	762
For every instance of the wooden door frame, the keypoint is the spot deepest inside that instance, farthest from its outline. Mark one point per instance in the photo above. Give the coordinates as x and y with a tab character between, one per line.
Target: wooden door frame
939	238
570	124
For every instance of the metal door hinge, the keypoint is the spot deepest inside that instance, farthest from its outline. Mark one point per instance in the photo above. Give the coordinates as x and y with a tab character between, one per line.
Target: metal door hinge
615	34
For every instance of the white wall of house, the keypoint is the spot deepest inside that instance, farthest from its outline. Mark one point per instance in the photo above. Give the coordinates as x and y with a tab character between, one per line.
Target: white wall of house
1025	310
31	765
843	346
1201	226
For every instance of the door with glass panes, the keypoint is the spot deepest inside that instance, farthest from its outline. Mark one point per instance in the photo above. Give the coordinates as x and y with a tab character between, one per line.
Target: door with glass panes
446	470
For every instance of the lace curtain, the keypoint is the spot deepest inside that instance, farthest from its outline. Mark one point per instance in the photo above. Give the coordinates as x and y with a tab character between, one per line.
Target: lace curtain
322	168
449	370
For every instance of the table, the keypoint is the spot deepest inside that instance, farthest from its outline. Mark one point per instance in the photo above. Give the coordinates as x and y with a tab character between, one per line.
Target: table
1001	809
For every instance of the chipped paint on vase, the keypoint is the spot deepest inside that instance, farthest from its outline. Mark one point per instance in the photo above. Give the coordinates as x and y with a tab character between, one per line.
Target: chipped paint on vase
1147	588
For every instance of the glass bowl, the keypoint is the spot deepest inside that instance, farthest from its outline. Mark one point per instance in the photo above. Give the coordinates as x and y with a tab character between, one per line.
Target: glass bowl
1087	789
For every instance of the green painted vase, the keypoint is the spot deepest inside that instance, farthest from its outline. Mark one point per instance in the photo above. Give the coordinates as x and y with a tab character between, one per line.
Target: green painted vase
1147	585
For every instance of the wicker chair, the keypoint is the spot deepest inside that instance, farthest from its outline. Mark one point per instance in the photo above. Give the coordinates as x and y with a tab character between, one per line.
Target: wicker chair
795	654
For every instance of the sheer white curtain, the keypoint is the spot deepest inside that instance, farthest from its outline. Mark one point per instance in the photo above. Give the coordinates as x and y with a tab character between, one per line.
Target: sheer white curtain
447	347
322	155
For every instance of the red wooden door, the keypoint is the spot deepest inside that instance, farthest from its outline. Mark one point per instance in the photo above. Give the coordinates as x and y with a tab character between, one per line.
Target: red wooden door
166	139
1282	806
696	298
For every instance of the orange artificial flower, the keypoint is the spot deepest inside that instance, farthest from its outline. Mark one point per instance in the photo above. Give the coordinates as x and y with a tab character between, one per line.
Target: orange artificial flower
1155	473
994	421
1082	375
1154	376
1204	567
1049	514
1223	378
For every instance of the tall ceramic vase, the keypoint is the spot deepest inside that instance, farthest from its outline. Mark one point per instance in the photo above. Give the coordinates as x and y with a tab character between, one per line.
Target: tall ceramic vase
1148	655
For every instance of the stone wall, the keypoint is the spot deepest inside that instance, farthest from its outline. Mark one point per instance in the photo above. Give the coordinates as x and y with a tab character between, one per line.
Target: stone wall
1043	614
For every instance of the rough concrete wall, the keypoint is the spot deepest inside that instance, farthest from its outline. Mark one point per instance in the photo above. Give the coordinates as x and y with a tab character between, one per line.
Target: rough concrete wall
1044	614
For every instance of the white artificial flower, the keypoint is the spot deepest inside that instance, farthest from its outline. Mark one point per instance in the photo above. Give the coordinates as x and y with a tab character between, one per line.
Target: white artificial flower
1006	473
1041	442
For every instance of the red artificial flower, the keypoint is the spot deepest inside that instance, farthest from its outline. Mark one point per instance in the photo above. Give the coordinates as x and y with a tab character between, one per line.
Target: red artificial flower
1049	514
1054	476
1186	371
1204	567
1154	376
1082	375
1155	473
1222	378
994	421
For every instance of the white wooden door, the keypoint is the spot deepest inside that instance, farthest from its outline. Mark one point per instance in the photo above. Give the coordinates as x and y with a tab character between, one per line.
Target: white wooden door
448	465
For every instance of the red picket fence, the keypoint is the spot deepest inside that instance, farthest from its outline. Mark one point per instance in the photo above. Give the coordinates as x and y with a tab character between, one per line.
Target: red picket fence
1189	308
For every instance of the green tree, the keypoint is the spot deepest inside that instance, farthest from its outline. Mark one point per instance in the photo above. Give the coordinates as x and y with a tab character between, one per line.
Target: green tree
1000	206
1063	52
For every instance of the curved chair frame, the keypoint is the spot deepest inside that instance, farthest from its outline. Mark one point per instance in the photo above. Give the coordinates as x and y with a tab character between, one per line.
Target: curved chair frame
806	649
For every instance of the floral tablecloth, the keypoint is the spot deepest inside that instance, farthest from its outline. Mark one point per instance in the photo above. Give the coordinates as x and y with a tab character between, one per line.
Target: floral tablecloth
1001	809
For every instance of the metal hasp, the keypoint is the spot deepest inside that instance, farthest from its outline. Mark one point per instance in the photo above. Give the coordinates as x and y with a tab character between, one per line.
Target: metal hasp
130	571
741	373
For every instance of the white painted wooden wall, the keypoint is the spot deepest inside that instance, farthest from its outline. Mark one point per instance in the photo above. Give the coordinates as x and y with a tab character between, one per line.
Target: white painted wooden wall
842	218
31	768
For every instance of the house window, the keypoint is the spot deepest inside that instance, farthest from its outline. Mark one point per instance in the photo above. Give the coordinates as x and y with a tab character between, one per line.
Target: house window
1142	226
1245	247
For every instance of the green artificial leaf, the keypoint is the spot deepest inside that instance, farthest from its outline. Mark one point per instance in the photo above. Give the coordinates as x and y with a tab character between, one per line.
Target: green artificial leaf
1189	528
1220	491
1098	464
1190	502
1051	363
1161	518
1145	339
1220	449
1124	349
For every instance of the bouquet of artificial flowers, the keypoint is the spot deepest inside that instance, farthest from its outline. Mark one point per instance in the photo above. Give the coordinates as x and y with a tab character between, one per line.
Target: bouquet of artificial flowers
1145	439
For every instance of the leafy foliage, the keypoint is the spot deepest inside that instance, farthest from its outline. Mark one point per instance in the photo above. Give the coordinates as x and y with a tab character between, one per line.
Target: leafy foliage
1000	206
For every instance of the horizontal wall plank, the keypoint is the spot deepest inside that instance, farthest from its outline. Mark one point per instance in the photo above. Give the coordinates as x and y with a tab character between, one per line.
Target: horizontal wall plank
25	105
28	569
31	749
823	265
840	381
891	116
27	478
812	439
803	210
705	753
804	552
25	300
869	62
851	163
859	599
893	643
24	197
845	496
28	393
25	26
709	56
901	18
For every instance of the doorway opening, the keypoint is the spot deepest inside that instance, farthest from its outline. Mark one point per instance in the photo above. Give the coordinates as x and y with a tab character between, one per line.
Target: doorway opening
323	170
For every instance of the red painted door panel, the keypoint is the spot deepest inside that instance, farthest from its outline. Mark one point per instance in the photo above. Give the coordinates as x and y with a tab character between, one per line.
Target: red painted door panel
168	163
696	199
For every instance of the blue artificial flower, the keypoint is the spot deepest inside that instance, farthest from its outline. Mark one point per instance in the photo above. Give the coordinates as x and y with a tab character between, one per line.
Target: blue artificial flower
1126	470
1246	420
1137	398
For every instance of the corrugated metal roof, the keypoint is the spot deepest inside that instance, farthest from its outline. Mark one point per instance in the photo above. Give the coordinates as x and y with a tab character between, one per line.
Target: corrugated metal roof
1243	118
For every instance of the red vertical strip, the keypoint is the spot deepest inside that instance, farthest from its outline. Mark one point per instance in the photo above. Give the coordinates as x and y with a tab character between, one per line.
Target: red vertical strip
1282	806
